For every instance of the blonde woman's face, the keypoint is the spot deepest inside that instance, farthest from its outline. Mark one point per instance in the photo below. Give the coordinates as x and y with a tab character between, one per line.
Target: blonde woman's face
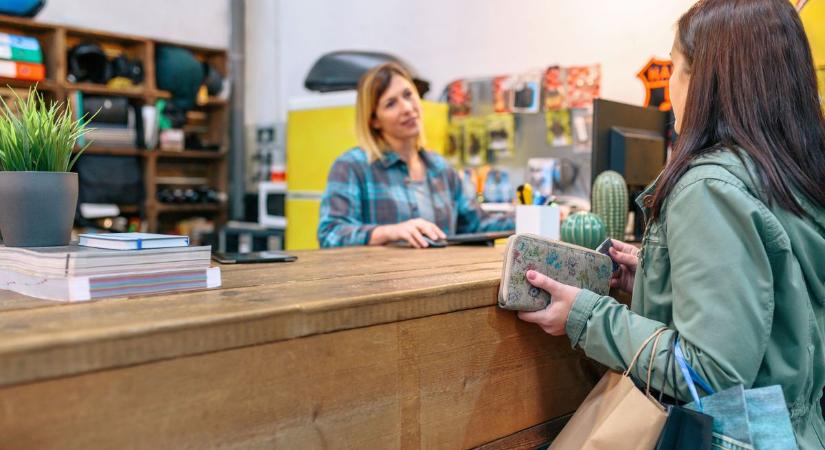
398	113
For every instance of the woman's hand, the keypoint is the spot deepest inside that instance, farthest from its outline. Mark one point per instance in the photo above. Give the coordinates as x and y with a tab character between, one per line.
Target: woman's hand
552	319
412	231
627	257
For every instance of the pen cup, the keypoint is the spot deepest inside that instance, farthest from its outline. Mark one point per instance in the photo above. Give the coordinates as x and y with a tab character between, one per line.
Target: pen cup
538	219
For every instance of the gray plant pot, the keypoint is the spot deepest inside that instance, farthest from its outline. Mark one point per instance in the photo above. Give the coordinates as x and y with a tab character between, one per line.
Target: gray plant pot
37	208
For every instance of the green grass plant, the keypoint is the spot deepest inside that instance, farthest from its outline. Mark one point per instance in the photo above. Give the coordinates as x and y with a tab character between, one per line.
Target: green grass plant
40	137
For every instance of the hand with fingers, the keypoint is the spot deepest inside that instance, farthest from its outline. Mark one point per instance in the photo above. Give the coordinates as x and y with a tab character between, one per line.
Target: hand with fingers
552	319
627	256
412	231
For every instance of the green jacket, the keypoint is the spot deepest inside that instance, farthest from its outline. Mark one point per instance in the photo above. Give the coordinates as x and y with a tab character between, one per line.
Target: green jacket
743	284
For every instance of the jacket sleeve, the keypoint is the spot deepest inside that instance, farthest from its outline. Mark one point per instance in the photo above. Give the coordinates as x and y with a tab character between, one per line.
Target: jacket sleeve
341	213
722	293
471	218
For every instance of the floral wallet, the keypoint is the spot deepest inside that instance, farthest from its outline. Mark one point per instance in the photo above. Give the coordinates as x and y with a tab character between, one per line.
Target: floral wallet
565	263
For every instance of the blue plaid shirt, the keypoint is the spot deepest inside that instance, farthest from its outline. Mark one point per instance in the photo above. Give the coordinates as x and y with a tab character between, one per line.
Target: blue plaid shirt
361	196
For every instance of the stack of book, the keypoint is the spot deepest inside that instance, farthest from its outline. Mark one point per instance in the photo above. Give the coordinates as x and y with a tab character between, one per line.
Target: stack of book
76	273
21	58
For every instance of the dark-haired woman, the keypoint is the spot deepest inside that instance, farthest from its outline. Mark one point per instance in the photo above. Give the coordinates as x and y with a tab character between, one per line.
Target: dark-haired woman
733	258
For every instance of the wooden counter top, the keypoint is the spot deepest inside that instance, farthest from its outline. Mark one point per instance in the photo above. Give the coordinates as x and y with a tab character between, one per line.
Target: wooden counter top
347	348
323	291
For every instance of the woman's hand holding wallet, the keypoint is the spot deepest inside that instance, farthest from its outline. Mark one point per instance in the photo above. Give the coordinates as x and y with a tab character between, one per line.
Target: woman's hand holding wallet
552	319
626	256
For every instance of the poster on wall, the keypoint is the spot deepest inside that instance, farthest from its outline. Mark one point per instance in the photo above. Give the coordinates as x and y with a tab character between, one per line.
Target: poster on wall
554	89
540	175
475	141
458	98
655	76
500	136
454	146
582	85
501	94
497	187
526	93
581	122
558	128
481	96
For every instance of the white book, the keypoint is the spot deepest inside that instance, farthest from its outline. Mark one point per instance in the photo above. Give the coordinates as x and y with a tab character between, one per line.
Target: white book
132	241
73	260
74	289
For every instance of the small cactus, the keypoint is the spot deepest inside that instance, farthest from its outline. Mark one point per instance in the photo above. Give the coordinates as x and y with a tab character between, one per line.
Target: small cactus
610	202
584	229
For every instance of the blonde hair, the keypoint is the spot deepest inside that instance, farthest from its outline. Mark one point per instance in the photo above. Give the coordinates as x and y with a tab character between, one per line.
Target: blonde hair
371	87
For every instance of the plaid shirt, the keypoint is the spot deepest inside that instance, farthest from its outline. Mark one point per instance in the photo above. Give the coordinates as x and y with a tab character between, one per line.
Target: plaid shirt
361	196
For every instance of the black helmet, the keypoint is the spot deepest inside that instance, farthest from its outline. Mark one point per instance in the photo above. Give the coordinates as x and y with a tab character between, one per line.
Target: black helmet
127	68
87	62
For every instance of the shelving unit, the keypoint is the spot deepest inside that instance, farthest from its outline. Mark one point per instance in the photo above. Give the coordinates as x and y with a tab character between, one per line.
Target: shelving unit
211	165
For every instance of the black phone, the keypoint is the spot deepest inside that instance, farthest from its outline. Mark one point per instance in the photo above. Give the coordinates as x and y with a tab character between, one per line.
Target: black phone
604	248
253	257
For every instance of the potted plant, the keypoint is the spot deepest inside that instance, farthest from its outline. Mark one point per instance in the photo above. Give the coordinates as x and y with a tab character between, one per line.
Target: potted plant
38	193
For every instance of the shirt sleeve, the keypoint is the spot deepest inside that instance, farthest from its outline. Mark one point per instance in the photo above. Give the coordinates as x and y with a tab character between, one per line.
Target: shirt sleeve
341	208
722	294
471	218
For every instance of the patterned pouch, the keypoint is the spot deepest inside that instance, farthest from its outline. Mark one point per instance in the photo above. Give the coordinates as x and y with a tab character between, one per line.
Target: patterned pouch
565	263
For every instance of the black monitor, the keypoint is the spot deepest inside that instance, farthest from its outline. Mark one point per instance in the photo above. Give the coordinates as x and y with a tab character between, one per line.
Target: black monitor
631	140
639	133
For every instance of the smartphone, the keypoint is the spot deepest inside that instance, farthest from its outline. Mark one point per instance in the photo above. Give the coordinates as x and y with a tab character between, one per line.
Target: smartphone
252	257
603	248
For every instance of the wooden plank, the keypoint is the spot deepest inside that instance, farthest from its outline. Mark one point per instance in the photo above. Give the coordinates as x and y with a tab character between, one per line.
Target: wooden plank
533	437
48	342
114	151
454	380
100	89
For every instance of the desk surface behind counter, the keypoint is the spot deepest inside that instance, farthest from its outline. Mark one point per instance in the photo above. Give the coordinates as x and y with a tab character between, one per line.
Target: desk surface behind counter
381	347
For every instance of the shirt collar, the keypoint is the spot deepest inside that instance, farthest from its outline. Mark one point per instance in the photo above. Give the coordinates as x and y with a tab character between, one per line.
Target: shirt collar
390	158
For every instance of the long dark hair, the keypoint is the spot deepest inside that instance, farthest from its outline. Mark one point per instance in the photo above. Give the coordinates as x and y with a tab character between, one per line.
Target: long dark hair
752	85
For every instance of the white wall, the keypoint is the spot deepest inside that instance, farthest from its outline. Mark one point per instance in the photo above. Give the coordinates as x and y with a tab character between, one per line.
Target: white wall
449	39
263	99
197	22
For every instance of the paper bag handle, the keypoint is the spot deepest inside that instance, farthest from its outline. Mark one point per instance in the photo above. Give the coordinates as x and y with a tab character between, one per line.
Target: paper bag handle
642	347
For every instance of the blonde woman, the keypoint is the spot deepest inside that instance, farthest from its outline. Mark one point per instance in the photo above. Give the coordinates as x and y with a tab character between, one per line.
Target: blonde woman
390	188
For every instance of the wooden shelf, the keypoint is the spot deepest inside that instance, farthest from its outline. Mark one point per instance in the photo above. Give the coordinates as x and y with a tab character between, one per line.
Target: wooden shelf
188	154
99	89
42	85
212	102
116	151
211	166
165	154
24	24
188	207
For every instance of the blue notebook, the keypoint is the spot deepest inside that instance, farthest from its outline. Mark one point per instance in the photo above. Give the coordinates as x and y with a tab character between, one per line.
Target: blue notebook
132	241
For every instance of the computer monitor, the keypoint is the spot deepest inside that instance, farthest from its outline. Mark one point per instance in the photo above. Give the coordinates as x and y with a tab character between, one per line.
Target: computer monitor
636	132
631	140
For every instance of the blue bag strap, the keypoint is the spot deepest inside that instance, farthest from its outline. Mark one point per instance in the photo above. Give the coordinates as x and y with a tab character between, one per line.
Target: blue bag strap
691	376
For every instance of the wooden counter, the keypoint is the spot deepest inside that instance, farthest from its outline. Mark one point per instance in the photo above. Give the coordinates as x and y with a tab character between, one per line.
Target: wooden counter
361	347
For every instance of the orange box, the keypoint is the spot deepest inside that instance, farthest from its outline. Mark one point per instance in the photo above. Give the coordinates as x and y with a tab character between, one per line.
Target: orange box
22	70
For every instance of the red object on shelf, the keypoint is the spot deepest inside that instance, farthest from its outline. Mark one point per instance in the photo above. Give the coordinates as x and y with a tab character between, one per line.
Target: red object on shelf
22	70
